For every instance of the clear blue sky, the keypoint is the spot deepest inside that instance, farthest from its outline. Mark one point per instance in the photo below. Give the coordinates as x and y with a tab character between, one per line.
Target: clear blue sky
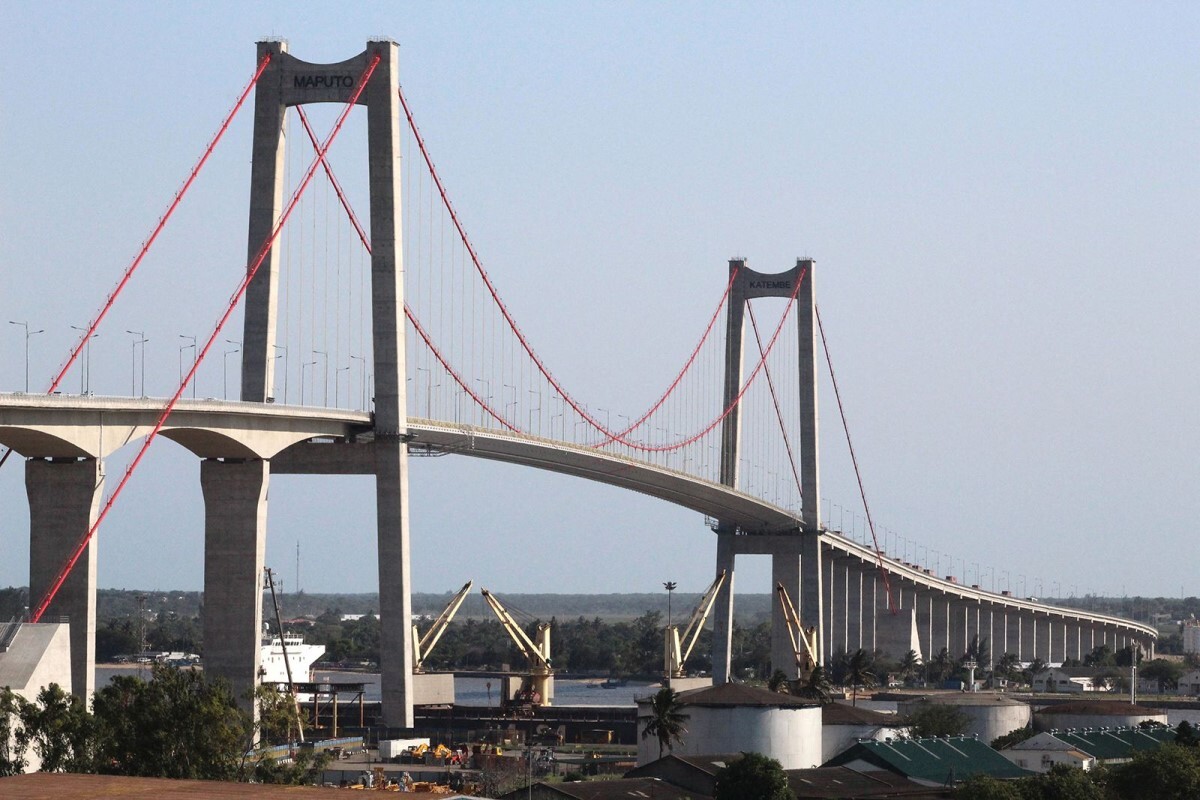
1002	200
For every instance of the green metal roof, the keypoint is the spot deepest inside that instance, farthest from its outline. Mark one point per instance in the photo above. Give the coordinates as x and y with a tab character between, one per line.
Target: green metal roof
940	760
1110	743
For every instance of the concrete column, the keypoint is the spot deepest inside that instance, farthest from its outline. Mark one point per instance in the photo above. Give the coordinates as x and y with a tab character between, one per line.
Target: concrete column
731	426
235	541
1023	647
1042	638
956	628
1005	626
722	644
391	401
806	321
785	570
811	588
828	568
64	497
266	203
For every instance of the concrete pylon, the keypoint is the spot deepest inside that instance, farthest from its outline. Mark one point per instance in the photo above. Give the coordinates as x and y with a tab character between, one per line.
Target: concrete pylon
288	81
799	574
64	497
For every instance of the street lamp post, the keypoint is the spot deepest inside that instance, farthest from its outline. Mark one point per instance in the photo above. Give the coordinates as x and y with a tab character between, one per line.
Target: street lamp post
85	375
325	375
302	368
133	362
237	349
181	349
337	385
670	586
28	333
225	371
285	369
362	378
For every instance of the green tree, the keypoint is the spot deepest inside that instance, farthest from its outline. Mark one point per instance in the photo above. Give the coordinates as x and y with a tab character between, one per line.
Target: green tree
816	687
1009	666
12	739
60	730
939	667
1063	782
666	721
1169	772
177	725
1186	735
985	787
910	662
1011	738
778	682
1166	673
935	719
859	674
753	776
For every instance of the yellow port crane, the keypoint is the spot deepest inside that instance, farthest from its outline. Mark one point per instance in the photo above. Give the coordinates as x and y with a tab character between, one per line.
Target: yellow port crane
676	646
423	645
537	684
804	642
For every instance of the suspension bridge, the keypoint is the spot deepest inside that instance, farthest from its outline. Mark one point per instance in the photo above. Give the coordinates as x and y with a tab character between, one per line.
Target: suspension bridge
369	339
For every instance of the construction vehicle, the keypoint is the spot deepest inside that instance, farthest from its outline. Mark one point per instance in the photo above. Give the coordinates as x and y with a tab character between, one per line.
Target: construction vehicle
804	641
423	645
537	685
676	646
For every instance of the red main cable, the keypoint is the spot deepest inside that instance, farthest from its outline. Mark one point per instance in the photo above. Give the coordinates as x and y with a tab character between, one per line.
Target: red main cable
887	585
512	323
251	271
162	221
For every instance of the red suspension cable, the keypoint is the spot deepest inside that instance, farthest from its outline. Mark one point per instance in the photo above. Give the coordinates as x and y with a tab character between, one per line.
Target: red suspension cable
778	413
236	298
162	221
511	321
362	237
854	460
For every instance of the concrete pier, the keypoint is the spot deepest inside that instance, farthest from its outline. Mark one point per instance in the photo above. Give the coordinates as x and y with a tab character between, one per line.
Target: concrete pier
235	542
64	497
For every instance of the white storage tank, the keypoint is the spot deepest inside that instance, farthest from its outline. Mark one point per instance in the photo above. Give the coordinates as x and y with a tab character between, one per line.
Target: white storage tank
734	718
1095	714
989	716
844	725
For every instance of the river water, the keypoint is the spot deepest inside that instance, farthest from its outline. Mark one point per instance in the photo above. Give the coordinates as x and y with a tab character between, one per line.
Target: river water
469	691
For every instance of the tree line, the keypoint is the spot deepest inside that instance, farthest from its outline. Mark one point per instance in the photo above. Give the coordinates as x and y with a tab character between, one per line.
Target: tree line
179	724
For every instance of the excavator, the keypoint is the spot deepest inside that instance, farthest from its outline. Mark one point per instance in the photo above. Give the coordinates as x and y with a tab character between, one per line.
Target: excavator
537	686
423	645
676	646
804	641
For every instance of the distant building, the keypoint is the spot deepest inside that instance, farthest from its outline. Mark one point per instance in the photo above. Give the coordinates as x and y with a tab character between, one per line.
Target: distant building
1069	680
1189	682
931	762
1191	635
1085	748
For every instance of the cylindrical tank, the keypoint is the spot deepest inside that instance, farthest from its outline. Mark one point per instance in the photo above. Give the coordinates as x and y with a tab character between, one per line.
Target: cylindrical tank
1095	714
989	715
734	718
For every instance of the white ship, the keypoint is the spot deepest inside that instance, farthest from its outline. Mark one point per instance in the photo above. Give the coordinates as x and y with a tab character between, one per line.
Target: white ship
272	666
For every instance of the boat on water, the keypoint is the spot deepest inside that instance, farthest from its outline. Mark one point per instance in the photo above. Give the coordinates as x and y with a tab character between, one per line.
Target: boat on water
273	666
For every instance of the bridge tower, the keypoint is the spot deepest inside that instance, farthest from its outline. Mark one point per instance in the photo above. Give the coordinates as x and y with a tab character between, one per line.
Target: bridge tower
235	491
796	554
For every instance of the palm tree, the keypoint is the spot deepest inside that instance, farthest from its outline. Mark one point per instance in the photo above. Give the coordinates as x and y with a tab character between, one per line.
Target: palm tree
909	664
1008	666
666	721
858	673
940	667
817	686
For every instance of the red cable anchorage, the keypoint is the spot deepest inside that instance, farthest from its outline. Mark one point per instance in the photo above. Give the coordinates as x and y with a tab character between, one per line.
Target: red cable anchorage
162	221
251	270
883	571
